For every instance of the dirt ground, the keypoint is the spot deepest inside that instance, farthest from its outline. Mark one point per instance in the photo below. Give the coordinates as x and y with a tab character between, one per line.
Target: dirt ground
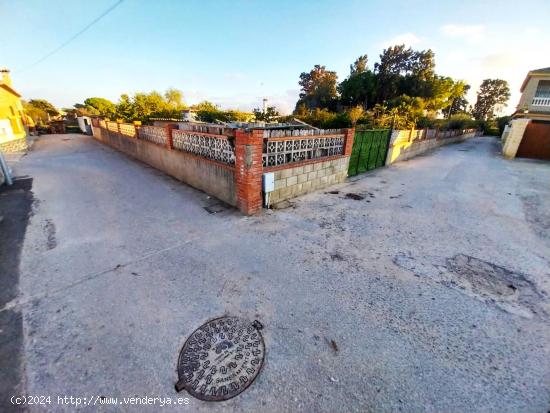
425	290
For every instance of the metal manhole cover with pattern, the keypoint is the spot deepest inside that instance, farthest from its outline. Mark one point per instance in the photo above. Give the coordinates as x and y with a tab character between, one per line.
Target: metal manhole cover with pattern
221	358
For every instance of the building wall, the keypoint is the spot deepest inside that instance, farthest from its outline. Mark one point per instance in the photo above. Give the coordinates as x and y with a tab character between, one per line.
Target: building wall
12	129
513	137
14	145
528	94
299	180
211	177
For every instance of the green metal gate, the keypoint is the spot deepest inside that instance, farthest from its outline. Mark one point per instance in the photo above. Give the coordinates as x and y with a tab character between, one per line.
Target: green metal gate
369	151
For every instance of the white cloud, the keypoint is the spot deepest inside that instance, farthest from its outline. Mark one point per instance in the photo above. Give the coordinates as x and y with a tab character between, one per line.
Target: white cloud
408	39
500	62
456	56
471	32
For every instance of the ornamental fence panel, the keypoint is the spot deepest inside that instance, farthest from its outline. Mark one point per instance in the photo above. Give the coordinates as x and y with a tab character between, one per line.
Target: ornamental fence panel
112	126
154	134
282	133
210	146
285	149
128	129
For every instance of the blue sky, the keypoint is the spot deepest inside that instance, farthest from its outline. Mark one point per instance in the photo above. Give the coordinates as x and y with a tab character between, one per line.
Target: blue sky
234	53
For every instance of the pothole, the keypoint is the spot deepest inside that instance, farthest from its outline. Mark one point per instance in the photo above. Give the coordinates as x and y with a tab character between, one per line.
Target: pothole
221	359
49	229
511	291
355	197
215	206
485	277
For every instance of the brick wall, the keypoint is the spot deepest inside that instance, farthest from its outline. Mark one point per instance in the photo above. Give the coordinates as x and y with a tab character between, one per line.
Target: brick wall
300	180
248	173
238	181
15	145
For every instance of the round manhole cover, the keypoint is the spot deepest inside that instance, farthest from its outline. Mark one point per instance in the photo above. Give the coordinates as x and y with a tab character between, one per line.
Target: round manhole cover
221	358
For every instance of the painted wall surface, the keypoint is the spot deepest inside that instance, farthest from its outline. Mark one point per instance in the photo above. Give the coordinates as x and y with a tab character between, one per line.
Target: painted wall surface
11	110
513	137
208	176
404	146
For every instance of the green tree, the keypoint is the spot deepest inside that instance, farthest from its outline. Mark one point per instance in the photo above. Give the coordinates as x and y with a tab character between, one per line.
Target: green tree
101	106
148	104
318	88
459	102
359	66
233	115
44	105
174	99
79	109
269	115
359	88
492	94
206	106
125	109
207	111
39	116
355	114
404	71
441	92
403	116
301	110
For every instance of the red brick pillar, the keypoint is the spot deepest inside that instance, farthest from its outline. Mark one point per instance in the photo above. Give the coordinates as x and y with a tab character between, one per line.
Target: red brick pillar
168	130
248	170
348	143
137	125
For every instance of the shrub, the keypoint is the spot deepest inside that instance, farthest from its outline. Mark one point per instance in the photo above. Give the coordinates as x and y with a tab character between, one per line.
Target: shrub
501	123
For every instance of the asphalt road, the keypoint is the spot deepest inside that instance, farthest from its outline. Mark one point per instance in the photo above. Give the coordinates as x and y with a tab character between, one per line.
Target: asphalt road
434	287
15	209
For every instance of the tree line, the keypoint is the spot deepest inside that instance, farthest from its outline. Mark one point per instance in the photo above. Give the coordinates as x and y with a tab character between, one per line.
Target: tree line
142	107
402	89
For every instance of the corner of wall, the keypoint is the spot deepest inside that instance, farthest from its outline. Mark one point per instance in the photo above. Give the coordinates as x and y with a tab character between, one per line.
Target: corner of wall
514	137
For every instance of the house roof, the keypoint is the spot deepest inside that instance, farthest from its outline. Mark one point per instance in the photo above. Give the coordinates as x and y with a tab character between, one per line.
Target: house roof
541	71
9	89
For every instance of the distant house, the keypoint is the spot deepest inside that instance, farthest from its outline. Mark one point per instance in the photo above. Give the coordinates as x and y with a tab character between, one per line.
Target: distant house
12	128
535	95
528	134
